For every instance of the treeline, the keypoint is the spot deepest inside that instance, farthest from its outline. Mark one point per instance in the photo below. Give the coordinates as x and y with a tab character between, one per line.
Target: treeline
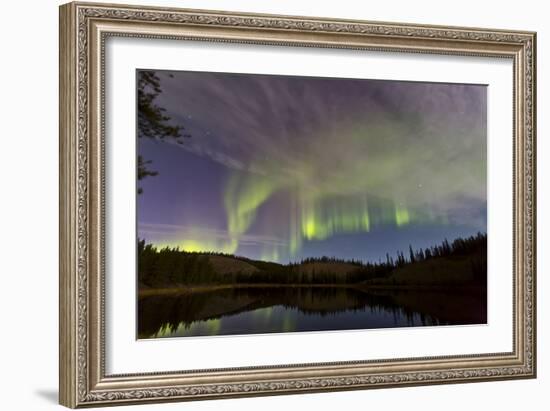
474	246
171	266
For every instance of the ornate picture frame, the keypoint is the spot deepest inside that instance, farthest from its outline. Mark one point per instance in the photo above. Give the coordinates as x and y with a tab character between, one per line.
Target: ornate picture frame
84	30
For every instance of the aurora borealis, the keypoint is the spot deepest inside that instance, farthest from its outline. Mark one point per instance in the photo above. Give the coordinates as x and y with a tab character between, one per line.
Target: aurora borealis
282	168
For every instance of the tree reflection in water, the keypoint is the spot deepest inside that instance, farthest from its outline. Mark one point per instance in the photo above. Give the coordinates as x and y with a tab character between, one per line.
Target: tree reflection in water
255	310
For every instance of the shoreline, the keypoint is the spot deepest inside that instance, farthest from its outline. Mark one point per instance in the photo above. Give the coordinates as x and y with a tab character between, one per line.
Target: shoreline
146	292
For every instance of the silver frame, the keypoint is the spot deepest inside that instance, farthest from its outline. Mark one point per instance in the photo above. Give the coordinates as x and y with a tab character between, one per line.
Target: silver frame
84	27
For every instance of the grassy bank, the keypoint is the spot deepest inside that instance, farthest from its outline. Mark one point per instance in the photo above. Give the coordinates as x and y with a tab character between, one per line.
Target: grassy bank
183	289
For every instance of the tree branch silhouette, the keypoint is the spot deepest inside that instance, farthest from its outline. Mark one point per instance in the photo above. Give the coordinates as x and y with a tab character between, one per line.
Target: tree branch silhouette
153	123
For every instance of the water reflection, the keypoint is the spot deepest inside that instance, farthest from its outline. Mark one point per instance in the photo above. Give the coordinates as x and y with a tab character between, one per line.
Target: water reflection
285	309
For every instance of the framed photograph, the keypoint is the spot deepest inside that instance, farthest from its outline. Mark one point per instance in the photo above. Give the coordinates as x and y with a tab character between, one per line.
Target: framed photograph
259	204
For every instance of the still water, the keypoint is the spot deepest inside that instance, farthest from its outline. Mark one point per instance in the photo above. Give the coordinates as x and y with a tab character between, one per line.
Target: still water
288	309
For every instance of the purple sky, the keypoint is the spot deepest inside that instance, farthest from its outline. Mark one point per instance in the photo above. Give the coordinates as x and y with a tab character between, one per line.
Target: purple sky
282	168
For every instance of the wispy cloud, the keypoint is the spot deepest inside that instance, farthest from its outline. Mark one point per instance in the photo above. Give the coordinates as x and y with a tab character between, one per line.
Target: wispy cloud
181	232
347	155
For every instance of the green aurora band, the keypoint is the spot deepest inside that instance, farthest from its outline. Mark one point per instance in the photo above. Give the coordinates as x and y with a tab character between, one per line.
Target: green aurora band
338	202
342	170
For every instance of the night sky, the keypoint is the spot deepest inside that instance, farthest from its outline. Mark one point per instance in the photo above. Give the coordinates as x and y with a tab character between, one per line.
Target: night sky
282	168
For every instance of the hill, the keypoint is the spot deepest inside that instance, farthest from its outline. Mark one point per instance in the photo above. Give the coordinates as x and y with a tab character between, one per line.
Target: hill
327	268
437	271
228	265
462	262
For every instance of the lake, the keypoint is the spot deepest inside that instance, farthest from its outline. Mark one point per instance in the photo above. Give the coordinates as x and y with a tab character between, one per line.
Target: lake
259	310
